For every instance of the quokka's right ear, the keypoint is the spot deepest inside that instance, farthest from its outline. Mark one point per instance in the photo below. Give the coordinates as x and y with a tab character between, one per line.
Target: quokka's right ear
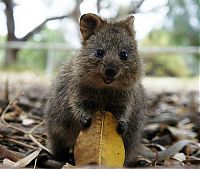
88	23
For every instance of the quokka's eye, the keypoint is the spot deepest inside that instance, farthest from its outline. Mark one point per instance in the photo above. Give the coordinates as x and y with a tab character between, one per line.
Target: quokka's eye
99	53
123	55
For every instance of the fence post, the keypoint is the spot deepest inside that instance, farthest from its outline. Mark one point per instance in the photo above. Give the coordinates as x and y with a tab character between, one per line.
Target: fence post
49	64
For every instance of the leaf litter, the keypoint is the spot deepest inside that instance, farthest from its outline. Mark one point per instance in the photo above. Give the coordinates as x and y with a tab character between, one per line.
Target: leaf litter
171	136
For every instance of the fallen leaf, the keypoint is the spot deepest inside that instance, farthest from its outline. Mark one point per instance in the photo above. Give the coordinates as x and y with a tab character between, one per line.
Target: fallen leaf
100	144
26	160
27	121
179	157
170	162
147	153
162	155
182	133
175	148
158	147
7	162
5	153
66	166
191	149
192	160
12	116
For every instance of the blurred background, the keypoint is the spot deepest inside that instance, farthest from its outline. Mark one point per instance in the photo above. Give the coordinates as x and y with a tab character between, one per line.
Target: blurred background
38	35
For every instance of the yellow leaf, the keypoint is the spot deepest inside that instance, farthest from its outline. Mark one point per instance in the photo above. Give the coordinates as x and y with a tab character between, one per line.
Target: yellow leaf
100	144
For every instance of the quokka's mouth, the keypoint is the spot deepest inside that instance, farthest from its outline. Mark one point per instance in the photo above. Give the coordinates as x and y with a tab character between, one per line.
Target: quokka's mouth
108	80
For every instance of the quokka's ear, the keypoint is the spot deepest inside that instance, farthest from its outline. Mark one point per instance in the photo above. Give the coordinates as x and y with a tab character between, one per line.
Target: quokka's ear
88	23
127	24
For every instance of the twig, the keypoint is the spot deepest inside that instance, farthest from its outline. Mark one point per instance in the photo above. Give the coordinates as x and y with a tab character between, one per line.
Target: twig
39	137
39	27
156	157
20	138
39	144
34	117
135	10
35	164
18	129
8	106
34	139
6	91
19	143
35	127
6	109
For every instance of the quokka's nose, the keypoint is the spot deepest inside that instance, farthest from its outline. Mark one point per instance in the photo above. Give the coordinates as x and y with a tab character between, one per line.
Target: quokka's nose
110	71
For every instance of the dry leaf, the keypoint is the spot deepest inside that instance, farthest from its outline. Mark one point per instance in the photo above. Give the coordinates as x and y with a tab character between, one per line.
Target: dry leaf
192	160
175	148
100	144
26	160
182	133
163	155
67	166
170	162
8	163
8	154
158	147
179	157
12	116
27	121
191	149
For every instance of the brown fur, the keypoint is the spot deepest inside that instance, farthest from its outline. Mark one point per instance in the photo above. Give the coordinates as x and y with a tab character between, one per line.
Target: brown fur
80	90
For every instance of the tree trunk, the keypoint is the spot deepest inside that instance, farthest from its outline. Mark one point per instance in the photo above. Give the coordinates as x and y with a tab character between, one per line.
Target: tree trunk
10	56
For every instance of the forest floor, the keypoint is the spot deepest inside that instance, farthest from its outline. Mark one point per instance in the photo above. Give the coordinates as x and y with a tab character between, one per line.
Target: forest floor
171	137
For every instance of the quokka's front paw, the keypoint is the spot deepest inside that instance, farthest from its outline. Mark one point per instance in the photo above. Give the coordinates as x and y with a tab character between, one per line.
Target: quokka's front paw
86	121
121	127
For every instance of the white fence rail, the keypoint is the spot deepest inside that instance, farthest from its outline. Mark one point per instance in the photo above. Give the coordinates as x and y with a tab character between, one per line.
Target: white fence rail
52	47
62	46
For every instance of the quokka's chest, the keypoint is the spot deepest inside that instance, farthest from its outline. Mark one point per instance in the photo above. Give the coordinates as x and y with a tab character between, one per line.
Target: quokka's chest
101	98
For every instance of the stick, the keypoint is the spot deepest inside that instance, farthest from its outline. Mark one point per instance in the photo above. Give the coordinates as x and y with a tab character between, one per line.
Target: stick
34	139
19	143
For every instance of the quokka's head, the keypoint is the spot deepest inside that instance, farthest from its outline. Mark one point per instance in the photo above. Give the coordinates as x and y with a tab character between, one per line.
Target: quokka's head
109	56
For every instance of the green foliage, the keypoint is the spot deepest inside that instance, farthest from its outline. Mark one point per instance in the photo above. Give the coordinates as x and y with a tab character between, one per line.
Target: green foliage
181	29
163	65
36	59
32	59
166	65
48	35
183	22
157	37
185	28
